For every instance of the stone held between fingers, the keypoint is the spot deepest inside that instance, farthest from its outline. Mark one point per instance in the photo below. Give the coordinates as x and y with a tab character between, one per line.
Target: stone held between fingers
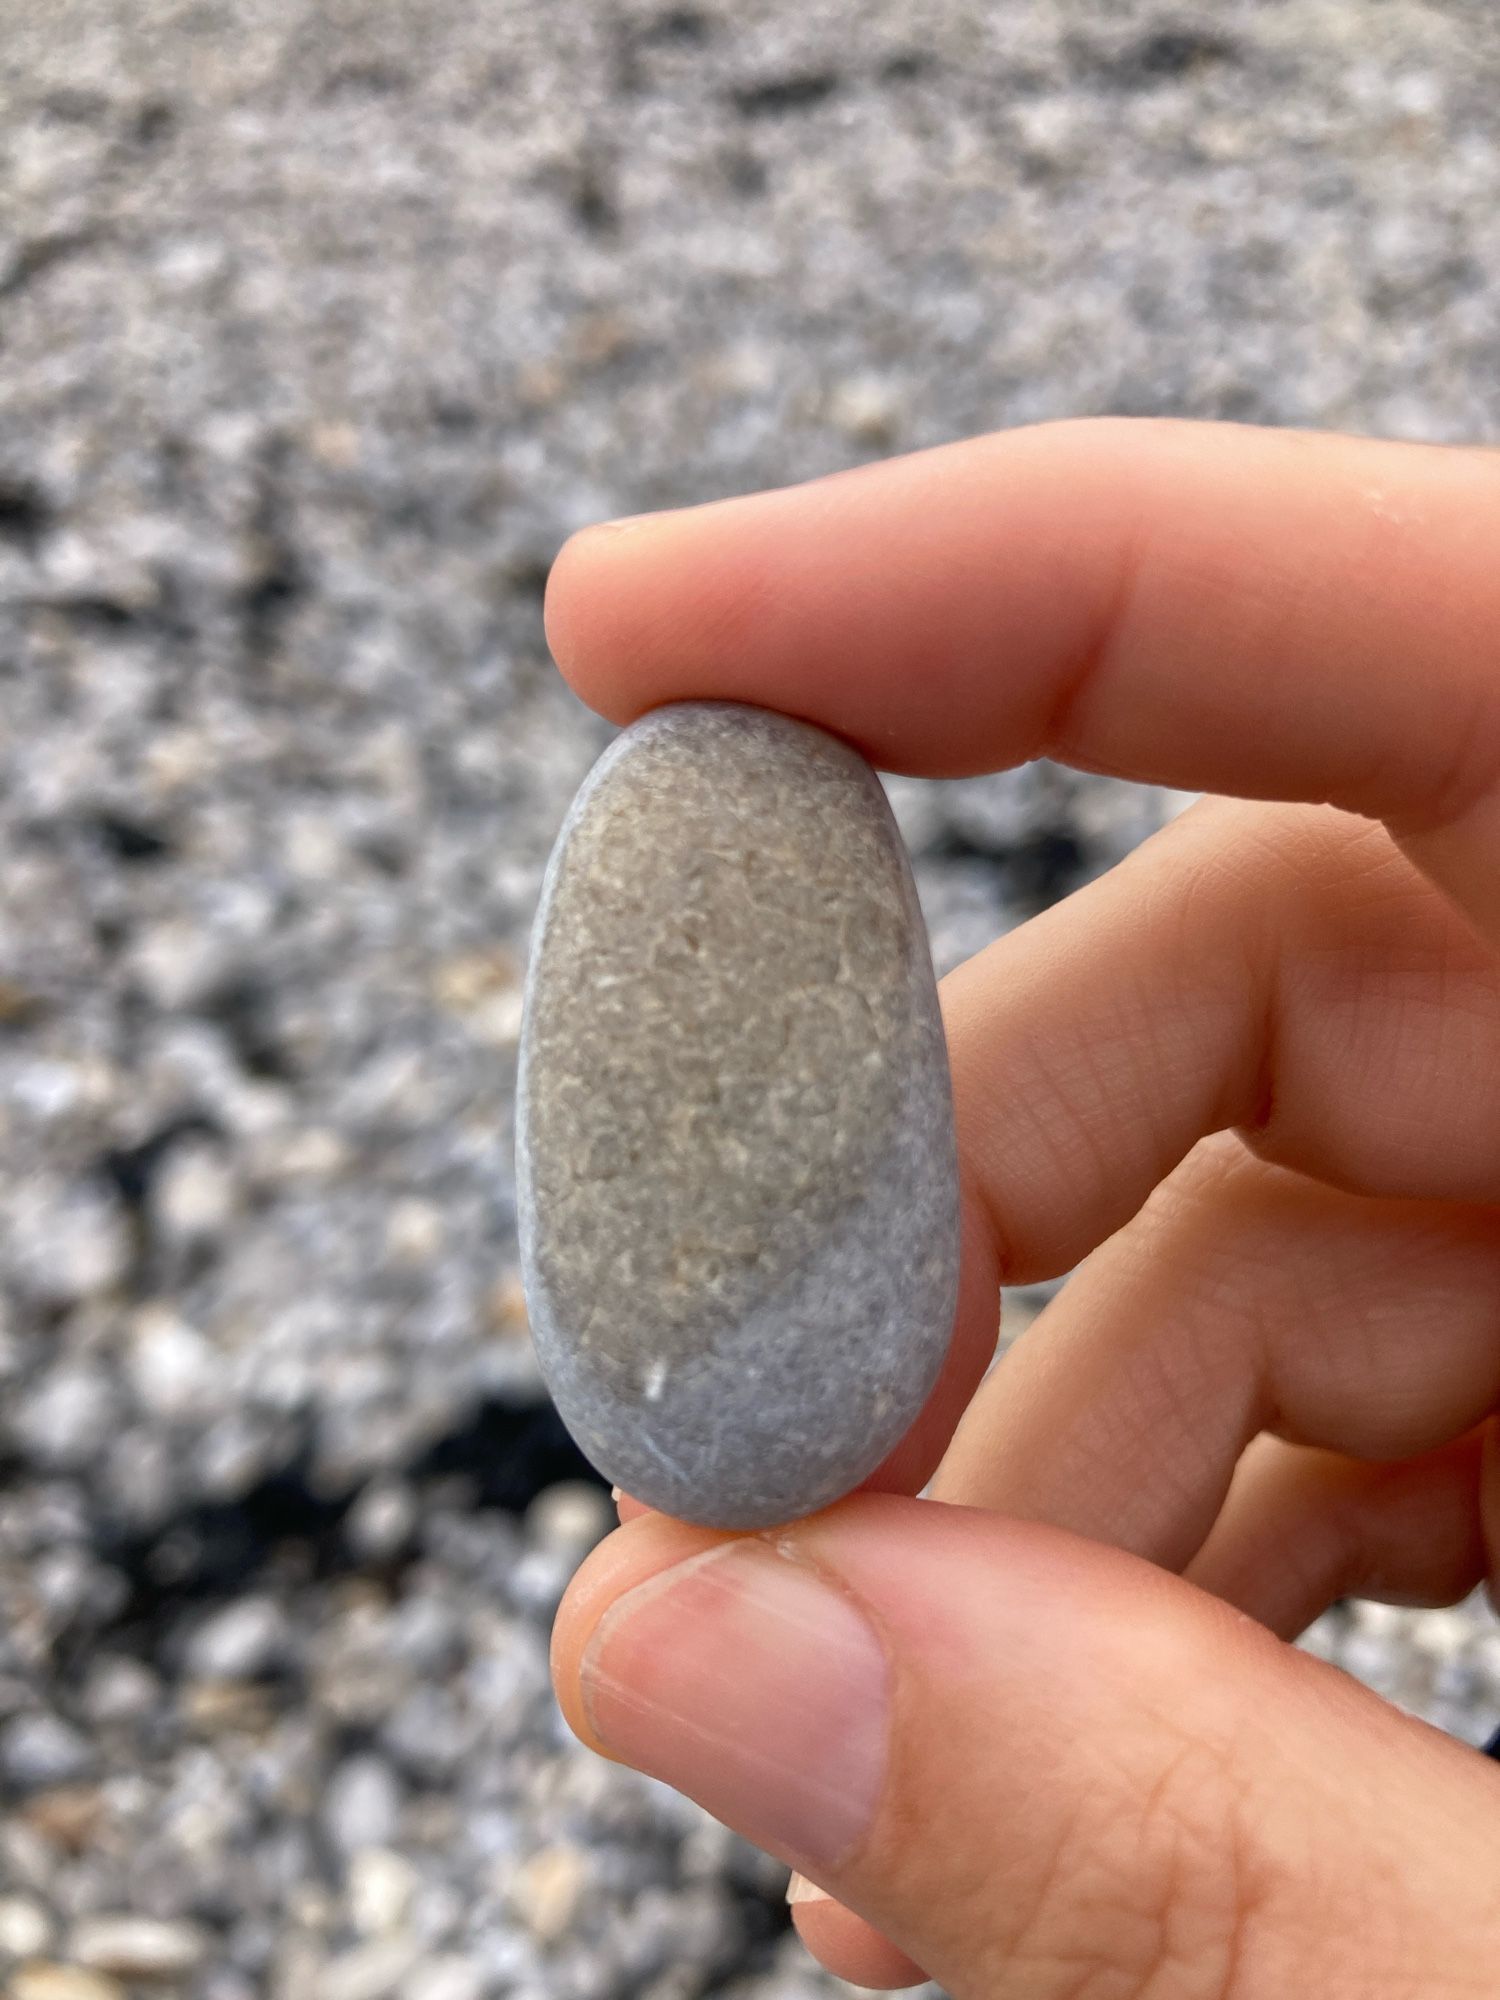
736	1160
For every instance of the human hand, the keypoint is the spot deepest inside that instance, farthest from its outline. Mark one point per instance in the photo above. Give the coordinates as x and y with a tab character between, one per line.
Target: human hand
1045	1739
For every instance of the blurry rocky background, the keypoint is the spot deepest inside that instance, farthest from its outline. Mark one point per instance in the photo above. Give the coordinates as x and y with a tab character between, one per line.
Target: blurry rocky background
321	323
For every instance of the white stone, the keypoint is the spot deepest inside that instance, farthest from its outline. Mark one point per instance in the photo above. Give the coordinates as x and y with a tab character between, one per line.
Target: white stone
381	1886
547	1889
171	1366
25	1928
362	1805
569	1518
447	1978
240	1643
194	1196
139	1948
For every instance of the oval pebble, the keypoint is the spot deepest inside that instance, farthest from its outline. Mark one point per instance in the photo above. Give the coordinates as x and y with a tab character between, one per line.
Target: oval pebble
736	1166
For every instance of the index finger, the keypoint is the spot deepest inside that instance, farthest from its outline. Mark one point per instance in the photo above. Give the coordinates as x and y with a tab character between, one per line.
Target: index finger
1267	613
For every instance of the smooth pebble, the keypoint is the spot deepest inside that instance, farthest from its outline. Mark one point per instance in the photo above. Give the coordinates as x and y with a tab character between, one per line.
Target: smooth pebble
736	1162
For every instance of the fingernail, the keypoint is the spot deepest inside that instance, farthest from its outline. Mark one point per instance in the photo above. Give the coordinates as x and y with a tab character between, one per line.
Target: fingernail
800	1890
744	1679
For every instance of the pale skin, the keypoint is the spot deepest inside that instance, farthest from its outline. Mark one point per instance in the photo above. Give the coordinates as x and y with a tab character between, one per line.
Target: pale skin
1042	1737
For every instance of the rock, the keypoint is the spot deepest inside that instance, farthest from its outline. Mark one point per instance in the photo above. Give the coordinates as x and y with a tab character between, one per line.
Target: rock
382	1520
370	1971
39	1751
867	409
141	1950
44	1981
65	1816
381	1886
171	1366
547	1889
736	1165
362	1805
119	1689
240	1643
447	1978
194	1195
25	1928
67	1418
70	1240
568	1519
413	1233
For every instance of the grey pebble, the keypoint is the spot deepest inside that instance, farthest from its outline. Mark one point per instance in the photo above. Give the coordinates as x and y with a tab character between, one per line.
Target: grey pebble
362	1805
37	1751
736	1164
239	1643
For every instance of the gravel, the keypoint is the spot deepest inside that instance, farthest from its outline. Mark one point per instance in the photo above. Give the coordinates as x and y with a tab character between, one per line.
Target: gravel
319	329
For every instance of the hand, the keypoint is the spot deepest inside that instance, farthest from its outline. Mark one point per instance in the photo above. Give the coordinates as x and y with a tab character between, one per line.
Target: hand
1046	1739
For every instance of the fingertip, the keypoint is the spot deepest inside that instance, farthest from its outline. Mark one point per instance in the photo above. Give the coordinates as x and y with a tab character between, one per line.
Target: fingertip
567	615
638	1550
848	1947
660	607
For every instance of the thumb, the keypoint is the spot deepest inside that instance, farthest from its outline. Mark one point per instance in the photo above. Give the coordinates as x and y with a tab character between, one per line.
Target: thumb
1040	1766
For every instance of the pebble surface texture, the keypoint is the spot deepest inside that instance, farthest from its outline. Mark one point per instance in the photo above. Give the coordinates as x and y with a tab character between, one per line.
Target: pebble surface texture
738	1181
320	327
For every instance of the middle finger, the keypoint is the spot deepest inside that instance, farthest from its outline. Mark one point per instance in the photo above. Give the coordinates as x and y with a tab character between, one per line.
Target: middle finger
1244	1298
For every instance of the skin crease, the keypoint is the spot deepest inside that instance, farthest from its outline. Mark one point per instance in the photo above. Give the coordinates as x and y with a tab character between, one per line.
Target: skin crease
1253	1077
